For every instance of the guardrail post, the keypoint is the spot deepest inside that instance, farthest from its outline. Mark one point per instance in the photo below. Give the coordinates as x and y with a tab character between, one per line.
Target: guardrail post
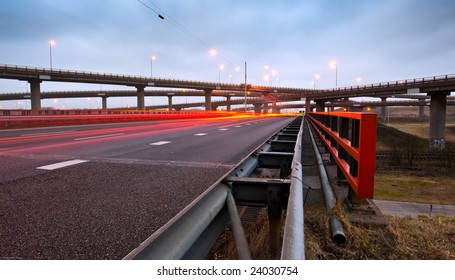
274	206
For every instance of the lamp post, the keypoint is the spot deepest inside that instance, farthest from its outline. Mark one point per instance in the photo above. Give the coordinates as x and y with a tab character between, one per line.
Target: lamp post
51	44
152	58
316	77
333	64
221	67
246	87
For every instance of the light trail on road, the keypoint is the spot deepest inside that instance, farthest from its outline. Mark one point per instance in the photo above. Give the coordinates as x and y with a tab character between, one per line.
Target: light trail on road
124	187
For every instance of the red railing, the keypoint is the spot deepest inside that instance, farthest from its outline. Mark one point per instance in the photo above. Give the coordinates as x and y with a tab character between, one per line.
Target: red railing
351	139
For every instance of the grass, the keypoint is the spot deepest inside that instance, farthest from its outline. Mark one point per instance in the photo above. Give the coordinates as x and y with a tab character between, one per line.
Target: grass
422	238
423	189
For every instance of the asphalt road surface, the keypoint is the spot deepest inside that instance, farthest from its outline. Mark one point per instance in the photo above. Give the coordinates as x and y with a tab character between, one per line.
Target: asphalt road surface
98	191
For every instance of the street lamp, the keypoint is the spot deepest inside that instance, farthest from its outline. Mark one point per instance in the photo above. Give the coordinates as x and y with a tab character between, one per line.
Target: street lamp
221	67
51	44
152	58
316	77
333	64
359	80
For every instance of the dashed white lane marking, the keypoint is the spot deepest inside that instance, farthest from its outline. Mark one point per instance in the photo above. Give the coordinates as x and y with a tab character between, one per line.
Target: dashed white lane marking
62	164
48	133
100	136
238	126
223	129
200	134
160	143
248	124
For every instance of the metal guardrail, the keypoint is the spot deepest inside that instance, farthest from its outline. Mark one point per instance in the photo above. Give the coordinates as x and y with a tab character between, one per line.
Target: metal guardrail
19	112
351	140
192	232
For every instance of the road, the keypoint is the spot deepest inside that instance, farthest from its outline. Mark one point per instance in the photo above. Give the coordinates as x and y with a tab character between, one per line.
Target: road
98	191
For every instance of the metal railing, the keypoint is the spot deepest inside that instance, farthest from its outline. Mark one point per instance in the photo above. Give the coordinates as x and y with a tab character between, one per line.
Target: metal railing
351	140
192	232
8	71
406	82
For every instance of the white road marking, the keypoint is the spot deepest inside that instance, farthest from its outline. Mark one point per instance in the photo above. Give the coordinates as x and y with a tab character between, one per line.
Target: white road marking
62	164
248	124
200	134
47	133
160	143
238	126
223	129
100	136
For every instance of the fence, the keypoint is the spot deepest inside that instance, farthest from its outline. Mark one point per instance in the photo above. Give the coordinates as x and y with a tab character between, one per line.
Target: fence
351	140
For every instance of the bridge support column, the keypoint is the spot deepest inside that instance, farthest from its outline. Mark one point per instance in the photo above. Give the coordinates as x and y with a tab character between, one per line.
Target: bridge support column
169	104
35	90
208	99
140	97
320	105
265	108
104	102
438	119
383	108
274	108
257	108
307	106
228	103
421	109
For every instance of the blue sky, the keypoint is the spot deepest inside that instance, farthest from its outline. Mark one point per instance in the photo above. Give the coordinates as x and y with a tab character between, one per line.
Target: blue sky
376	40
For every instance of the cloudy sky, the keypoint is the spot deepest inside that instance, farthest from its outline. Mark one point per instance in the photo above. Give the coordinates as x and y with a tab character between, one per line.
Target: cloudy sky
376	40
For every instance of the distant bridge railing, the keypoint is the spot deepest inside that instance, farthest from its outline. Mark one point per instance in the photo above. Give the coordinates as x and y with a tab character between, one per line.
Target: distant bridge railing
351	140
403	83
35	118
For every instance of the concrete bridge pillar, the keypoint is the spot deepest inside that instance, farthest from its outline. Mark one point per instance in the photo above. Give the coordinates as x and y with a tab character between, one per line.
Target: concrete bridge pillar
438	119
307	105
228	103
35	90
257	108
274	108
104	102
383	109
320	105
140	97
422	109
169	104
208	99
265	108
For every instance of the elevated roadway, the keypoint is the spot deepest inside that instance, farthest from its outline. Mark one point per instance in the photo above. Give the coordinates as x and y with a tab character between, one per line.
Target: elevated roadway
437	87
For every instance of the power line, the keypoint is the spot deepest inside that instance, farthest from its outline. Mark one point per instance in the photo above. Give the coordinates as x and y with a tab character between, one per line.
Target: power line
185	30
